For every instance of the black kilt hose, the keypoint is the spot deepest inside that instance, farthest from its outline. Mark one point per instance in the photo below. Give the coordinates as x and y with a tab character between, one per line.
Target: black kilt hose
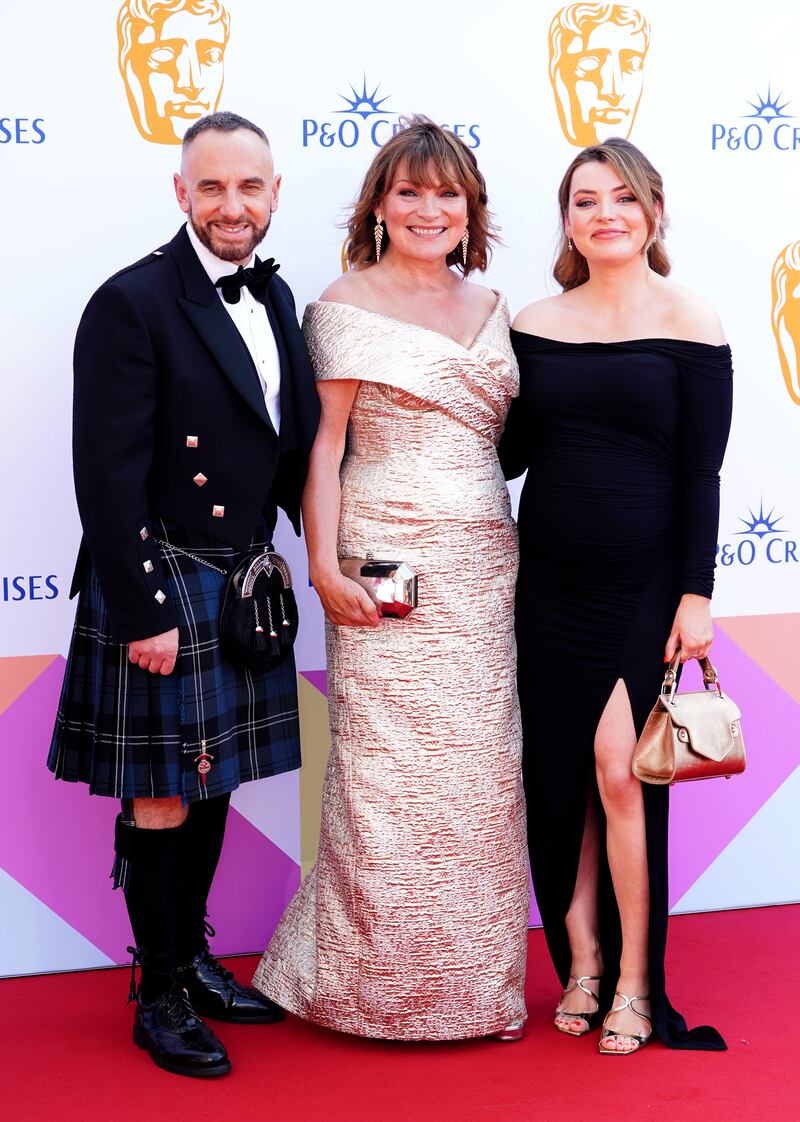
132	734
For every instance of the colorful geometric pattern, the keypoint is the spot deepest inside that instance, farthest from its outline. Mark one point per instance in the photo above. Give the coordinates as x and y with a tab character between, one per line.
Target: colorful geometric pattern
733	843
56	846
56	840
758	658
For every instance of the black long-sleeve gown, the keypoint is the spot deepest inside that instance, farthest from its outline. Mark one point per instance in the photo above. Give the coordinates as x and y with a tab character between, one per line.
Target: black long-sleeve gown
618	518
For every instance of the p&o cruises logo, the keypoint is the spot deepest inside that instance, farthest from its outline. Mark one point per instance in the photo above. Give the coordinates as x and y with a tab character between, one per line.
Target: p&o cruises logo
764	539
770	126
30	587
367	119
22	130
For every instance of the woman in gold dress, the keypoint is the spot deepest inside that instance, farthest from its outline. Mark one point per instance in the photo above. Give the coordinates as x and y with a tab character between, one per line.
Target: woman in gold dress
412	924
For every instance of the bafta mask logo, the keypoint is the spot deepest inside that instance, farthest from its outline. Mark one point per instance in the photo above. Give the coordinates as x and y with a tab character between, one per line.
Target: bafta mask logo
786	315
171	59
597	54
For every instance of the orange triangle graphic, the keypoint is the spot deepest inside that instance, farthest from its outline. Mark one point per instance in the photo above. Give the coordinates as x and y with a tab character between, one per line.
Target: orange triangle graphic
771	641
19	672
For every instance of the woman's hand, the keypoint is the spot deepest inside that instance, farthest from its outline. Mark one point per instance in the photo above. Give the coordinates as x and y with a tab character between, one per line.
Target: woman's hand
346	602
692	629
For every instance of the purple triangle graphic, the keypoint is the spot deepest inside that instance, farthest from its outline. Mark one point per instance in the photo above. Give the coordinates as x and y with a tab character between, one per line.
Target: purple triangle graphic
318	679
254	883
706	817
57	841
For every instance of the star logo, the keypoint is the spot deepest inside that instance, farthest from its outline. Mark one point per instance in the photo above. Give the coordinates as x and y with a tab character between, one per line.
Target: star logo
362	102
769	108
761	524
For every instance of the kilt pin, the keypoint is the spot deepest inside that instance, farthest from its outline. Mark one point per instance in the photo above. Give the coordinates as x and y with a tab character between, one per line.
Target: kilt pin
129	734
180	467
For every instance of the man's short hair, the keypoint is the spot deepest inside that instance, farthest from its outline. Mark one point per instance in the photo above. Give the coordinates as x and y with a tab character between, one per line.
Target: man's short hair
224	121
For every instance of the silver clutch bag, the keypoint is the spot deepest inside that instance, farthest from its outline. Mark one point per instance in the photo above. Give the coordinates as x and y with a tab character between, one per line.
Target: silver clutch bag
690	735
392	583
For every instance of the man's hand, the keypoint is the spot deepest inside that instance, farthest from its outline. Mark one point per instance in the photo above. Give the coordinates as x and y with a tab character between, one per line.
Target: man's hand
156	654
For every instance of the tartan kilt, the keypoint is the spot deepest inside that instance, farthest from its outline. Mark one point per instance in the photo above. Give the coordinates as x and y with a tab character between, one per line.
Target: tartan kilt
132	734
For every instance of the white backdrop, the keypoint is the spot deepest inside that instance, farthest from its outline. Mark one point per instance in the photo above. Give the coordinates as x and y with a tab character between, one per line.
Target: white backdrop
85	194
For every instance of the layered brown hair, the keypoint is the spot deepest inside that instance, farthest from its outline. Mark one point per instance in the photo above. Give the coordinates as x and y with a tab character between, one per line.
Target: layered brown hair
430	156
642	179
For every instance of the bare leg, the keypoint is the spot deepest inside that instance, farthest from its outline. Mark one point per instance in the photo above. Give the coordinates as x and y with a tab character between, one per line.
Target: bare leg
621	795
159	814
582	928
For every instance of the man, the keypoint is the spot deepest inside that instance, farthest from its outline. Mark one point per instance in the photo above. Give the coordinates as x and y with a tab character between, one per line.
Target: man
597	54
171	58
194	413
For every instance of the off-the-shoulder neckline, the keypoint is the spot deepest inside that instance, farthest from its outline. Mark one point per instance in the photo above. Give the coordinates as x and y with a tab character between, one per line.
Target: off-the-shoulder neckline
622	342
419	326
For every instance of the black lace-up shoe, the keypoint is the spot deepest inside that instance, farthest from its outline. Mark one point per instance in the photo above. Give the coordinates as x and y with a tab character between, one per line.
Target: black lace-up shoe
176	1038
214	992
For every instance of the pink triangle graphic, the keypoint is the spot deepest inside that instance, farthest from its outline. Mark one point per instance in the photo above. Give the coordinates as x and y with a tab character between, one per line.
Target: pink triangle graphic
57	841
773	642
254	883
706	817
17	672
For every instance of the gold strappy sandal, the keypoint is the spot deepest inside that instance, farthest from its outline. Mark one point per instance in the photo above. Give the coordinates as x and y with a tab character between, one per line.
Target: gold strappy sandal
592	1018
639	1041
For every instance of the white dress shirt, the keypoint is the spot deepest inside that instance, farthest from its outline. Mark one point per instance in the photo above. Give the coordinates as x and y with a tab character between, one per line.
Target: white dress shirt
252	322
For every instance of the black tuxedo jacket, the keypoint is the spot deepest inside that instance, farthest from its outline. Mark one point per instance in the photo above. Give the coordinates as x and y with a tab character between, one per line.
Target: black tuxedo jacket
169	421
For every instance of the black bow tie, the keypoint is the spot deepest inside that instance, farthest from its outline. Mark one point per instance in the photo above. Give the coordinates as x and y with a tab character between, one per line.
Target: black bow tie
257	280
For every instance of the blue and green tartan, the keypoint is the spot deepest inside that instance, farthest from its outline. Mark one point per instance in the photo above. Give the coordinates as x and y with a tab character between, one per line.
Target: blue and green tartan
132	734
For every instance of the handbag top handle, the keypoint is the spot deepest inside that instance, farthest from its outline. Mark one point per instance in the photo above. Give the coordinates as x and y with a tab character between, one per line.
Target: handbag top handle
670	683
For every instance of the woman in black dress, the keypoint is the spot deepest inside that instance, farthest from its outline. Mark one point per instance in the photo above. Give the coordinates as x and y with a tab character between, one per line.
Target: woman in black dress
622	421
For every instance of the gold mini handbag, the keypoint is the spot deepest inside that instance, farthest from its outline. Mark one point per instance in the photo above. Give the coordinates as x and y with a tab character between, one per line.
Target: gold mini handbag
690	735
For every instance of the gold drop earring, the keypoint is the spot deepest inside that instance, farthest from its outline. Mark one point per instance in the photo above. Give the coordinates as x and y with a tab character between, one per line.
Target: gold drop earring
464	244
378	235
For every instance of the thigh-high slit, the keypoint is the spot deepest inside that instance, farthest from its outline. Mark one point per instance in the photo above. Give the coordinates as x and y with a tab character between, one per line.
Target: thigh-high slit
618	519
562	701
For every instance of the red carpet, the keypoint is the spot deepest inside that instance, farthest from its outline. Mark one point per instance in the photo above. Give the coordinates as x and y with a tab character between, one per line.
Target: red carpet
67	1053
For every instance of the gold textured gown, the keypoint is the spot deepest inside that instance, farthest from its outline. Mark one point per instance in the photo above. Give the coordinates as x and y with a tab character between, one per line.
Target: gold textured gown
412	924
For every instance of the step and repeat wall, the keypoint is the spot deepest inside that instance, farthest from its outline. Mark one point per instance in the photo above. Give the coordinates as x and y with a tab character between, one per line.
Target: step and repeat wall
95	100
